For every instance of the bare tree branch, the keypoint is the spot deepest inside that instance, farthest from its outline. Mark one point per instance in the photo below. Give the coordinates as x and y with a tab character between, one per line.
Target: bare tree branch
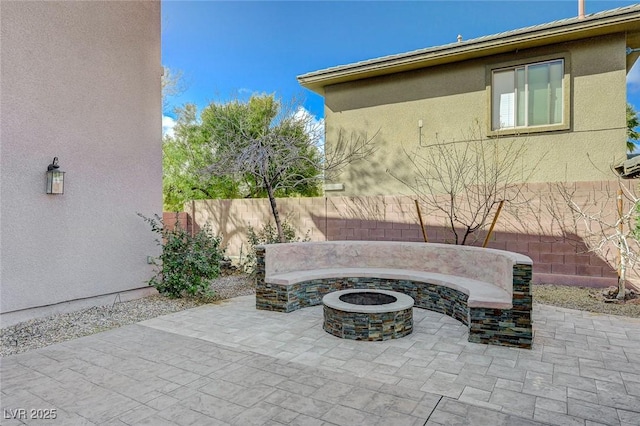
465	180
607	227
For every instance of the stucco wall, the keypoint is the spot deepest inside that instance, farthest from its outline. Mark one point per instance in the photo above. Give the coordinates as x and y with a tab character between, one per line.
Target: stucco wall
80	81
452	101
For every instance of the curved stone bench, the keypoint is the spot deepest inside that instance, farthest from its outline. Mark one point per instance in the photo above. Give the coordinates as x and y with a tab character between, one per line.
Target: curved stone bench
488	290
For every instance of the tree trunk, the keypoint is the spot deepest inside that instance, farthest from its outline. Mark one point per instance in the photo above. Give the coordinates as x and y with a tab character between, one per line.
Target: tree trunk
622	278
274	210
622	244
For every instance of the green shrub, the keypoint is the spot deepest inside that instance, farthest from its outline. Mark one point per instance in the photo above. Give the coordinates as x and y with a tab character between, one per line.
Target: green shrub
268	235
187	263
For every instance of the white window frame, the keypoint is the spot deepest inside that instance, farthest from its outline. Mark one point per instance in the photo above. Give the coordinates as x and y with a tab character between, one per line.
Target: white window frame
511	126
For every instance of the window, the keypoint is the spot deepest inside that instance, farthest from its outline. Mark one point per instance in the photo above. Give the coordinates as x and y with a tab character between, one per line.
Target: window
527	96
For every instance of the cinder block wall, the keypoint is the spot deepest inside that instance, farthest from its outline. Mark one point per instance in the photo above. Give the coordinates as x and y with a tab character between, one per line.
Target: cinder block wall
538	228
183	219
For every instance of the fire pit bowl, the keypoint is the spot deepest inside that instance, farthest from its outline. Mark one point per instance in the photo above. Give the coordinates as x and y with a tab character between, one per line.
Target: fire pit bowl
364	314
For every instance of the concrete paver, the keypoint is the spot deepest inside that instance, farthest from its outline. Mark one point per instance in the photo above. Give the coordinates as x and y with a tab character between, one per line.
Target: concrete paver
230	364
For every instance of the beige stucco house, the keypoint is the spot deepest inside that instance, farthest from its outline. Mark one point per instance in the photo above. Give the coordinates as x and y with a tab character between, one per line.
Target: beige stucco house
559	88
79	81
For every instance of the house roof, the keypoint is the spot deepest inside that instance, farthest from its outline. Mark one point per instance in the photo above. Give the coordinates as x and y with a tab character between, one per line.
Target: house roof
625	19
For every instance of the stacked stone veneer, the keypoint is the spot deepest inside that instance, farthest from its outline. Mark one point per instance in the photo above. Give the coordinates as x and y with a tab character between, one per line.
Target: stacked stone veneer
372	327
504	327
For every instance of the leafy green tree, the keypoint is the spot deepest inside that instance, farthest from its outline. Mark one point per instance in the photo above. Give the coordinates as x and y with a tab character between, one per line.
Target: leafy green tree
632	124
196	157
267	147
186	155
254	148
264	121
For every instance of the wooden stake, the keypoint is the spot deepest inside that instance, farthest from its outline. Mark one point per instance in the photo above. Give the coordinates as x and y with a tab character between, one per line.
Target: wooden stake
424	231
493	224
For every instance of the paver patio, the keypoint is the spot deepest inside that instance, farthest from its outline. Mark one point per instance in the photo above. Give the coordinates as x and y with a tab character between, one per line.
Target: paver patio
232	364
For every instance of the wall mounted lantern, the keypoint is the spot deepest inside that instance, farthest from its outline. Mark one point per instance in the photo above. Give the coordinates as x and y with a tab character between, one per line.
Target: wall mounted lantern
55	178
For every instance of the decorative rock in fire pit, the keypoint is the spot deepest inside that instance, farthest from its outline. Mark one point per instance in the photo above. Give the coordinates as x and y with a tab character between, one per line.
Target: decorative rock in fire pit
365	314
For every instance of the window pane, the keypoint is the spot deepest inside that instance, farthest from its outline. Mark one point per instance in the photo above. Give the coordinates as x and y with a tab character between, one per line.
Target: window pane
503	100
555	74
539	95
530	95
521	97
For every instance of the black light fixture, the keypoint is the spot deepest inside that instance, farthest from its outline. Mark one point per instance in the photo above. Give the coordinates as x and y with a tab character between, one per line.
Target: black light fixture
55	178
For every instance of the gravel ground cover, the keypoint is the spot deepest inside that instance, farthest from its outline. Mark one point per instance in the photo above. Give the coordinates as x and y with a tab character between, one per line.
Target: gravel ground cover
584	299
46	331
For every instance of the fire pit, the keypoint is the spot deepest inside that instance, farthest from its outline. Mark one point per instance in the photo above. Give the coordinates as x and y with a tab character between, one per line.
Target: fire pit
372	315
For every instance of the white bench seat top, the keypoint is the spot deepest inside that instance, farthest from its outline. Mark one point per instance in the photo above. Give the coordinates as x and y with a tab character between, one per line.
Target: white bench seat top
481	294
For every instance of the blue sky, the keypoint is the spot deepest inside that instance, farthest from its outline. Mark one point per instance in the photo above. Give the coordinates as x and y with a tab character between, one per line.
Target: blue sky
231	49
